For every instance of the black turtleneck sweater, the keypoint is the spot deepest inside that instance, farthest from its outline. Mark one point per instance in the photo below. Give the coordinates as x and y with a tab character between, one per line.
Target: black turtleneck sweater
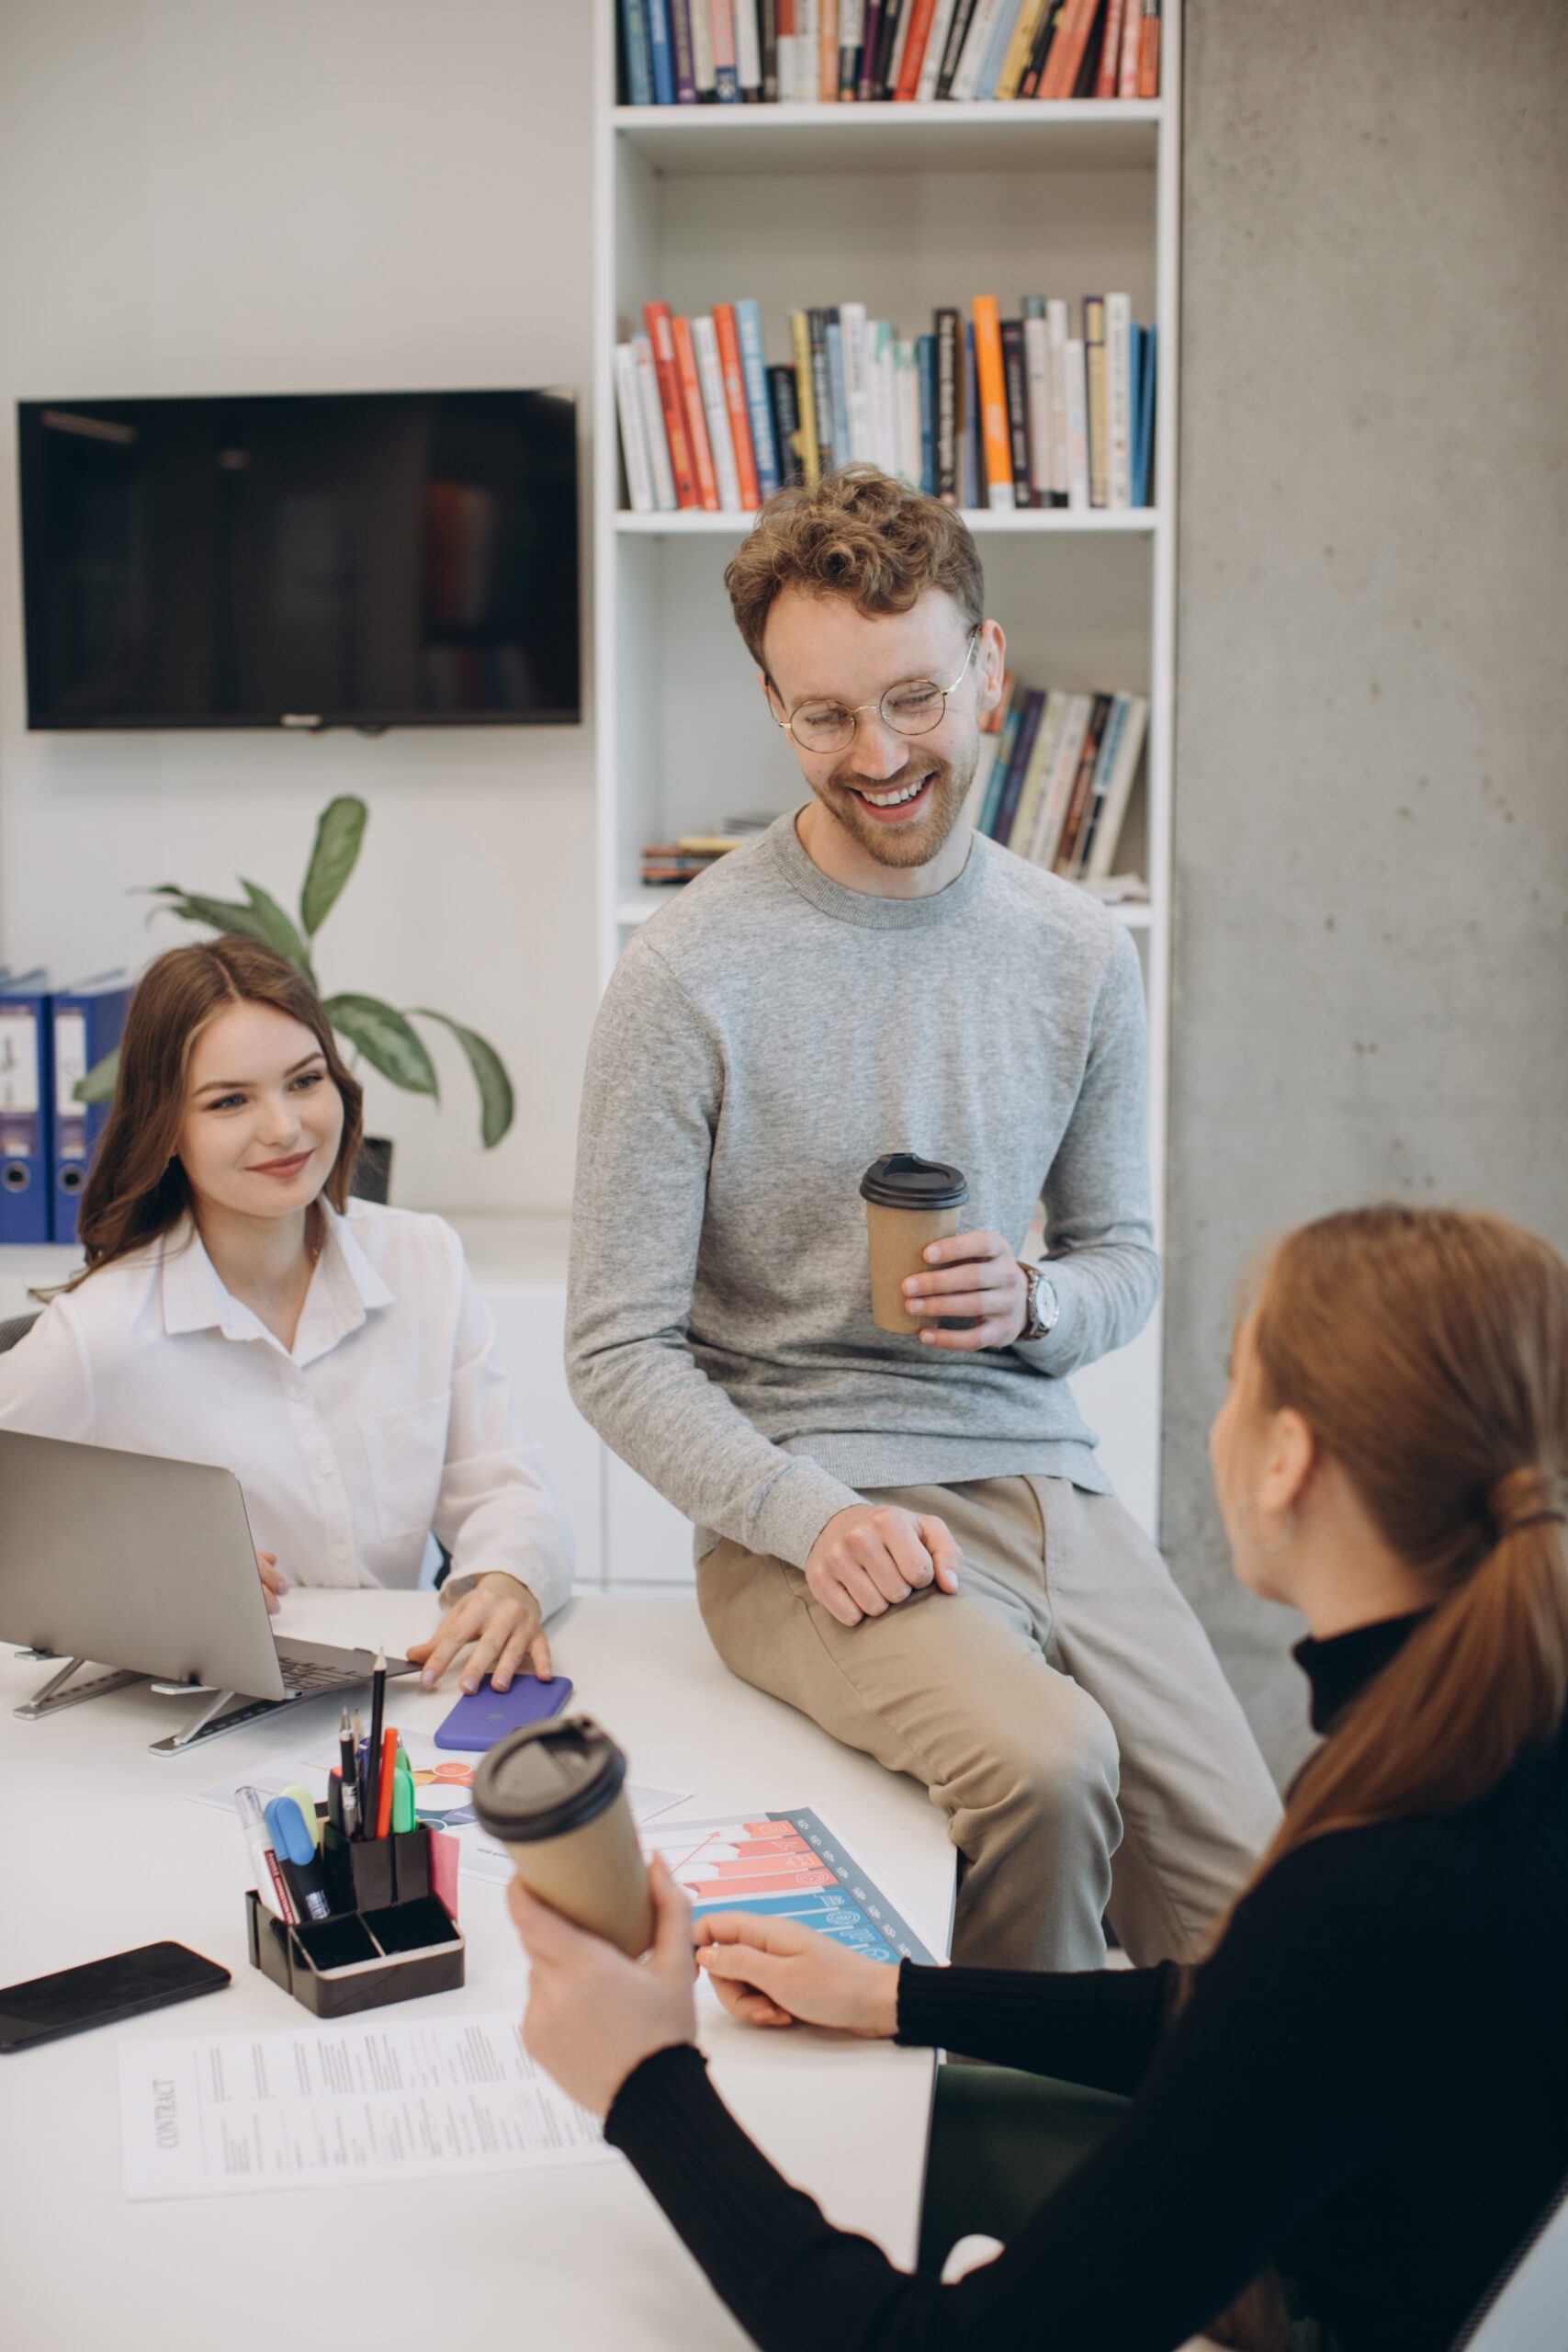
1367	2087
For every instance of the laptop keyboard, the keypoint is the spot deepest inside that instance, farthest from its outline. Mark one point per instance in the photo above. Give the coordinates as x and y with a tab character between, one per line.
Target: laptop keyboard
299	1676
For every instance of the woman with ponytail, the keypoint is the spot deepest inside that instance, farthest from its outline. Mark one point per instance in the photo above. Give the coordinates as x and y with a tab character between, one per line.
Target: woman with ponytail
1356	2106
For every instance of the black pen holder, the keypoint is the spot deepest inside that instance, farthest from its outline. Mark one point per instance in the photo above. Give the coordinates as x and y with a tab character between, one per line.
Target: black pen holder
388	1938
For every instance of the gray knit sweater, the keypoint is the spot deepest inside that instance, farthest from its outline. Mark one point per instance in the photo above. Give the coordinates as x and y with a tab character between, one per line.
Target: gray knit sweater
765	1037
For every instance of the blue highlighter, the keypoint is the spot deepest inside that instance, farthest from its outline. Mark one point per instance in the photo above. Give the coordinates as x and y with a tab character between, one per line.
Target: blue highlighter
296	1852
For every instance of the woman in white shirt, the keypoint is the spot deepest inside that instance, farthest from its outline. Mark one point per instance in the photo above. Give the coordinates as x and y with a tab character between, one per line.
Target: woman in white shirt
239	1307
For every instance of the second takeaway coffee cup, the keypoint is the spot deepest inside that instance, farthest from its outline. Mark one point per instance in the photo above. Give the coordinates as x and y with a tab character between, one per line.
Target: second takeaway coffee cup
910	1203
555	1795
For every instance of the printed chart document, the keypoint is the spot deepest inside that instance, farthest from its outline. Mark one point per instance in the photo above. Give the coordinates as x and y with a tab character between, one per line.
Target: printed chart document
323	2104
791	1865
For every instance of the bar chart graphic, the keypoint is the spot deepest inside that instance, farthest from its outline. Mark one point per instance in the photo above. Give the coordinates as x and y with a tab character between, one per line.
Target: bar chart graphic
789	1865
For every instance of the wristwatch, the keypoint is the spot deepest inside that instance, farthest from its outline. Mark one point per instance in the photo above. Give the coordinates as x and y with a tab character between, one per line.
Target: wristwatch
1040	1304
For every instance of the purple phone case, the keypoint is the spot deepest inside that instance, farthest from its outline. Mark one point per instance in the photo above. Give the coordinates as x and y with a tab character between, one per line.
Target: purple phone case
487	1714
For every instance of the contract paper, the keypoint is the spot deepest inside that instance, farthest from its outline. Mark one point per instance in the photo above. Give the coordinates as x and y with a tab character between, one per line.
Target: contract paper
325	2105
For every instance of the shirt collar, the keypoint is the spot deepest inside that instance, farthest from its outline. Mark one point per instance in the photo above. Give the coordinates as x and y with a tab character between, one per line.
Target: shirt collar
1339	1669
344	1290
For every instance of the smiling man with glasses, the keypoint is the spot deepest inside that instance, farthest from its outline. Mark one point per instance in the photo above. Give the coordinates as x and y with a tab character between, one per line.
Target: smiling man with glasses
910	1539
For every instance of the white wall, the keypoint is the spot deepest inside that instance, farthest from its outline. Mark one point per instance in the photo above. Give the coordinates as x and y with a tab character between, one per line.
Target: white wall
221	196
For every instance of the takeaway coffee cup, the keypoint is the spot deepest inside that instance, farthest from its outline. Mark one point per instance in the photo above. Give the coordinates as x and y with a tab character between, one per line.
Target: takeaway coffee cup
910	1203
555	1795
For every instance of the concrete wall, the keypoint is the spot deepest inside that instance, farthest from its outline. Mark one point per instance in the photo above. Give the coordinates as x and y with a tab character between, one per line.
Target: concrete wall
1371	830
213	196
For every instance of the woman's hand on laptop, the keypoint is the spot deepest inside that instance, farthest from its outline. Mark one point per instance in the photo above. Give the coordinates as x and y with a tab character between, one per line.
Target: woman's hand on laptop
502	1619
774	1972
273	1585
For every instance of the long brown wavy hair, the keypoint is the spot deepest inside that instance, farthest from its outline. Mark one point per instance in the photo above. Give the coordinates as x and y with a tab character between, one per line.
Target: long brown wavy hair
1426	1349
137	1188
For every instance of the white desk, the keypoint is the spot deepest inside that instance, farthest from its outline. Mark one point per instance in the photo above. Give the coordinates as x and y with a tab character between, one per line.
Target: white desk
100	1851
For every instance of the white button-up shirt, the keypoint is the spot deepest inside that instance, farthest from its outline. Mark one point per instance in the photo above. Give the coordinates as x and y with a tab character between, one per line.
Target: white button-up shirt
389	1418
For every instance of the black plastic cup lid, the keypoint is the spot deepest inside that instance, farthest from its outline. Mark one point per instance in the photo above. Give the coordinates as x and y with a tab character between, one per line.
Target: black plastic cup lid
902	1179
548	1778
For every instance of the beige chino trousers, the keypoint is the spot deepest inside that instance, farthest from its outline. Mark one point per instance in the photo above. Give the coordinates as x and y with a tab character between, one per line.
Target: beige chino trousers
1063	1707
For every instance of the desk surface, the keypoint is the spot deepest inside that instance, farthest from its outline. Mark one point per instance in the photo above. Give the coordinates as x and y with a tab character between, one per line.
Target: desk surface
100	1851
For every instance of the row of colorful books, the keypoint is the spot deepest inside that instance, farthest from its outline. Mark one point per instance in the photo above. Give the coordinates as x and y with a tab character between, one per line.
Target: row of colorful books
1056	775
807	52
981	412
48	1042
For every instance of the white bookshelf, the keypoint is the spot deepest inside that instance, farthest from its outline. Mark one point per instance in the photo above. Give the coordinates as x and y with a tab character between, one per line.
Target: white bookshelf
903	208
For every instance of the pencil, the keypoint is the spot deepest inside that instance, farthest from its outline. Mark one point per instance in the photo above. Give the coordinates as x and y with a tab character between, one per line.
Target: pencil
370	1813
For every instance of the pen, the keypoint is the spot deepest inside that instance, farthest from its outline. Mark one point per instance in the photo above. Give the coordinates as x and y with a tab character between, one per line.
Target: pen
402	1793
386	1788
350	1798
301	1870
270	1885
370	1810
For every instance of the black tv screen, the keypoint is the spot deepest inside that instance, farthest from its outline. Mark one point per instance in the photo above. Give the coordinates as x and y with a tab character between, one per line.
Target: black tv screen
369	559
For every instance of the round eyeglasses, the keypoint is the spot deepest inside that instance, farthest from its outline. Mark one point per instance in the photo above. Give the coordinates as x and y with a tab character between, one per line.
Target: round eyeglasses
914	706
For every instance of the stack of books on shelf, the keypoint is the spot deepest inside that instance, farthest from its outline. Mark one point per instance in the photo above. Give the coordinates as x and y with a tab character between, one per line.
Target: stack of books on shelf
809	53
1055	777
692	854
987	412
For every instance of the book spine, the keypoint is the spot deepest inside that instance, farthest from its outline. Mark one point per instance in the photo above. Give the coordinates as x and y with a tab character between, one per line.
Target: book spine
833	333
1150	372
1029	799
653	423
787	39
1083	782
996	443
957	35
661	335
997	50
733	375
828	52
716	413
1077	427
661	52
1127	72
1098	415
634	52
998	784
805	397
1020	50
694	410
703	62
1018	766
1037	373
1119	398
884	399
865	81
1032	84
784	410
925	363
936	49
749	50
768	37
1149	50
1111	813
1068	48
634	442
726	76
851	48
907	389
754	368
1016	381
973	475
1084	85
914	57
686	55
1056	337
1105	760
977	41
1076	709
949	387
828	454
857	380
1111	49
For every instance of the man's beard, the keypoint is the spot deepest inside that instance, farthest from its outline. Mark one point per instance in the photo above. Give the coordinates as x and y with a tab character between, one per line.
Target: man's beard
920	840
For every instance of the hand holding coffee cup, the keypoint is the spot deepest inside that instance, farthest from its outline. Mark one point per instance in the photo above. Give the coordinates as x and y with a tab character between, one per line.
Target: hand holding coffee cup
923	1268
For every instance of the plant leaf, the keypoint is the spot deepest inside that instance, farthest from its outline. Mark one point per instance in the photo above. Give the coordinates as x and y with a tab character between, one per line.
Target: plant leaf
497	1104
280	931
98	1084
218	914
339	833
387	1041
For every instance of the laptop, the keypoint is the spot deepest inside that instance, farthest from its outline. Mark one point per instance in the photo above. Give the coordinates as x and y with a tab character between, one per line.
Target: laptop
148	1565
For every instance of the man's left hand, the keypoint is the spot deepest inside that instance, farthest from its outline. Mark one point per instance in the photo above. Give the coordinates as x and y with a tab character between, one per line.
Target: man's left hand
502	1619
592	2014
973	1275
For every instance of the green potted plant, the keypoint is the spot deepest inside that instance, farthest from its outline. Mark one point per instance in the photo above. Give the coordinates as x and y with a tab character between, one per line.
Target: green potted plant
381	1032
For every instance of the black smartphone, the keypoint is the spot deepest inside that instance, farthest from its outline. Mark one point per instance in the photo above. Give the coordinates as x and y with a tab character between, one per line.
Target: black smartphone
47	2008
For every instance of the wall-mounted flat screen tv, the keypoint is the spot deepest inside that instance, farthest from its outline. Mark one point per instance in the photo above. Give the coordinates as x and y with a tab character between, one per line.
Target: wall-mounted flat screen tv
359	559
